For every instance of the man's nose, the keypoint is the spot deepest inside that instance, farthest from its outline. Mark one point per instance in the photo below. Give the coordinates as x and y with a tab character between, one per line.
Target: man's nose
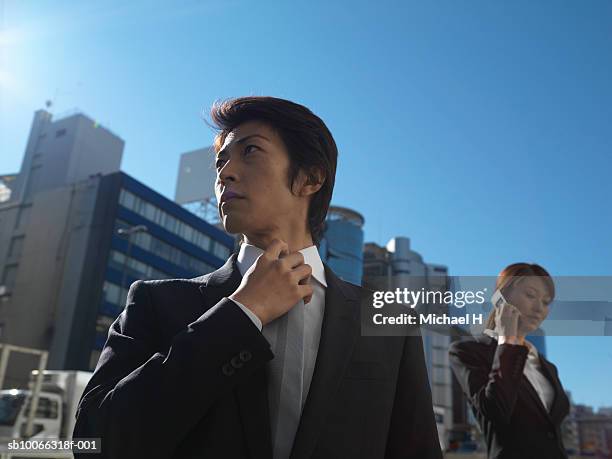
227	172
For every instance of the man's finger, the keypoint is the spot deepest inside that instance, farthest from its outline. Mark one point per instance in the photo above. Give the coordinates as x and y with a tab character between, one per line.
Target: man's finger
276	247
293	260
306	292
303	273
305	281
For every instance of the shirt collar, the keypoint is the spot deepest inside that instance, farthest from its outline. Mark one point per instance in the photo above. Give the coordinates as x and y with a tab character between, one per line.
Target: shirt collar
249	253
533	352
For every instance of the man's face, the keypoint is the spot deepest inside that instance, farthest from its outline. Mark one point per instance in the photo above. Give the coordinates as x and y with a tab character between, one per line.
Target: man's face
252	186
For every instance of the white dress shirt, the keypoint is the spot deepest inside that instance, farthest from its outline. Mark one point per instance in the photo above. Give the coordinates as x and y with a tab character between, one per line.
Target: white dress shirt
533	372
313	319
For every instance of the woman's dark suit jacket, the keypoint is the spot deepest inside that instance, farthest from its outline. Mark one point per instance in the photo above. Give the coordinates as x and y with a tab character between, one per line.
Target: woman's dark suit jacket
511	415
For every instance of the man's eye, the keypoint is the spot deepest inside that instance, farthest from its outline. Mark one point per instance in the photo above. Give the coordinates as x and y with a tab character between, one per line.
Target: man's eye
250	148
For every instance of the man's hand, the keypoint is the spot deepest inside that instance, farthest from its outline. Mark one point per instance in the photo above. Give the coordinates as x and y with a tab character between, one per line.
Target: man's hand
275	283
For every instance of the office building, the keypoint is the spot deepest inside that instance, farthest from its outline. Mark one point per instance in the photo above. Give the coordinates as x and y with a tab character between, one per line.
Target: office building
398	266
65	267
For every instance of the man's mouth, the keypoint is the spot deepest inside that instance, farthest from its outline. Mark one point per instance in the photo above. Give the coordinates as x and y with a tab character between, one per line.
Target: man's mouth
228	196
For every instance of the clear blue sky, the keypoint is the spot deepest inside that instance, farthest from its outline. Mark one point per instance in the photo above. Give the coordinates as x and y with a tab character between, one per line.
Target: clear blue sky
482	130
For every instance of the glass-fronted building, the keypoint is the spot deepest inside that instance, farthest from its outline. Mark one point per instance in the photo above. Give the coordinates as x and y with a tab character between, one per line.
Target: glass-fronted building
171	243
342	243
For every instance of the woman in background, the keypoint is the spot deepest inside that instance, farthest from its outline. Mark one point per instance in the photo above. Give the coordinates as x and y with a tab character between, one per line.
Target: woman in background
514	392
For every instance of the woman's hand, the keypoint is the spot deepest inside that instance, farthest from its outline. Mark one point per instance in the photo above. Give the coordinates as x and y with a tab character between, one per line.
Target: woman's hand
508	325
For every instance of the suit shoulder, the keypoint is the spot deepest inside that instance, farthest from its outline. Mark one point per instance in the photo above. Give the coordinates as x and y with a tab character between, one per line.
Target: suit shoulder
160	284
355	290
162	291
552	365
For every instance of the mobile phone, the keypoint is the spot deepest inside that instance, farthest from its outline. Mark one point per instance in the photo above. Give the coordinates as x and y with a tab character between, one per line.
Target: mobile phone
498	299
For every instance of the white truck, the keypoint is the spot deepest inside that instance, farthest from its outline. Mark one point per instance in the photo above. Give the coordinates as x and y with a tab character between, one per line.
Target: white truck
58	399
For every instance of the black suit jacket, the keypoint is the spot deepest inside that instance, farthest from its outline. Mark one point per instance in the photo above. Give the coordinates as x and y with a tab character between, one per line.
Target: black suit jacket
173	384
511	415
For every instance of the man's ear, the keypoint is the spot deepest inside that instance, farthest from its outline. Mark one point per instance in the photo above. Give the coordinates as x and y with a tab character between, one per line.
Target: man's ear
311	181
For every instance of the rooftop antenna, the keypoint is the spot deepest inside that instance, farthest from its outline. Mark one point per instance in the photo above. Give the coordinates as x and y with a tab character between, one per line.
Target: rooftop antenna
51	102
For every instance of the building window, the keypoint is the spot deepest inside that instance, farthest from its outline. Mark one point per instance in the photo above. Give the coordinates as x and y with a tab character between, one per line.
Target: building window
187	232
172	254
440	356
202	241
134	267
169	222
60	132
126	199
220	251
112	293
148	211
441	375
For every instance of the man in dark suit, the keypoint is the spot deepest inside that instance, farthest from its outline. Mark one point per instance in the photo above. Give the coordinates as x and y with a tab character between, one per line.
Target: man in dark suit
262	358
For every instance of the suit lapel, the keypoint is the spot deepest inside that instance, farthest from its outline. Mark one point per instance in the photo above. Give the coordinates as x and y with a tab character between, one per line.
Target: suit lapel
339	331
252	397
535	398
221	282
557	406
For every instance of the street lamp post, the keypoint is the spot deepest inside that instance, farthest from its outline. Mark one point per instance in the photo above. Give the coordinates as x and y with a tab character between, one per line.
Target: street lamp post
129	232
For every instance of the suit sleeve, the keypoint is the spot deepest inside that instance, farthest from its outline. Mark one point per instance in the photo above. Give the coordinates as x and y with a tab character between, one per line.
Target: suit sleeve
492	389
413	432
138	395
256	320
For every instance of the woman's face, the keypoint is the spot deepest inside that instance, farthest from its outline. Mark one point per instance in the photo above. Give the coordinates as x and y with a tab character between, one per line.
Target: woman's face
530	295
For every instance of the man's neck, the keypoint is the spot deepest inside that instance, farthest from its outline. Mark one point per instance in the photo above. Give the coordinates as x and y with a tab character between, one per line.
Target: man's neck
294	243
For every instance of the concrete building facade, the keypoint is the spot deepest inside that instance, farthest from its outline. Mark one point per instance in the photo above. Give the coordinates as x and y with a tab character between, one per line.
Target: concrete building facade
65	268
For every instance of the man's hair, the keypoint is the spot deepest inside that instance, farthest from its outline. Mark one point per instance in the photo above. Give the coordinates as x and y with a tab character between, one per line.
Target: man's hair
308	141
